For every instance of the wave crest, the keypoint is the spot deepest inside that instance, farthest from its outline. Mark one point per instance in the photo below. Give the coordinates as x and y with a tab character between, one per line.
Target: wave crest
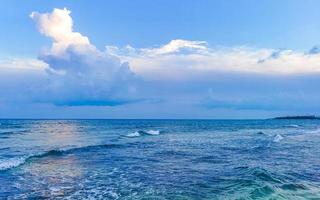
12	162
134	134
142	133
292	126
18	161
278	138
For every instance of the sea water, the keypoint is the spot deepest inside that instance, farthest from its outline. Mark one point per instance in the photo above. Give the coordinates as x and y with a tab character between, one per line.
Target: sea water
160	159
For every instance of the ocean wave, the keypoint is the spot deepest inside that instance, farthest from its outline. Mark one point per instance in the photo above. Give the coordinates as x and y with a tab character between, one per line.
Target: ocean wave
316	131
278	138
10	163
9	131
260	133
141	133
292	126
259	173
153	132
294	186
134	134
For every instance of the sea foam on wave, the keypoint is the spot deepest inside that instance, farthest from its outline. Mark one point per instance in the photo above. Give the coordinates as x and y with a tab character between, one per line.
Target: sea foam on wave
134	134
316	131
141	133
293	126
153	132
6	164
12	162
278	138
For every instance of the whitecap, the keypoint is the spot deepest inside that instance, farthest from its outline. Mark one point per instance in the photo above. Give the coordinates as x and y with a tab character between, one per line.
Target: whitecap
278	138
12	162
134	134
153	132
293	126
6	164
55	188
316	131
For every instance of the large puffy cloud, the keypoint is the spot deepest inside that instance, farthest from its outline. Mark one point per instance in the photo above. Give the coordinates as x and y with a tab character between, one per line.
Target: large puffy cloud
58	25
78	73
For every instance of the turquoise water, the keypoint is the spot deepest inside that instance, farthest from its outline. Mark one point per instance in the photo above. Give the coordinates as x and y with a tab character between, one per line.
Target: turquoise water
160	159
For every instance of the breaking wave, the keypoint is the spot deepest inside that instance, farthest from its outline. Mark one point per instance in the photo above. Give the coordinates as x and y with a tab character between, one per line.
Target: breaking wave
293	126
153	132
10	163
10	131
316	131
142	133
278	138
134	134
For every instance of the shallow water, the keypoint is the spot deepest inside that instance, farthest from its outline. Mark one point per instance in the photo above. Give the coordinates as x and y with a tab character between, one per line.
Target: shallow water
160	159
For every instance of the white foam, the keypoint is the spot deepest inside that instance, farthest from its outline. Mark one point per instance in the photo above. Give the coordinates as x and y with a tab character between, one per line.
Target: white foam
135	134
153	132
55	189
141	133
316	131
12	162
293	126
278	138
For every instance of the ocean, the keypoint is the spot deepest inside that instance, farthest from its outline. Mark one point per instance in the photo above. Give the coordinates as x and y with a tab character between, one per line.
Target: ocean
160	159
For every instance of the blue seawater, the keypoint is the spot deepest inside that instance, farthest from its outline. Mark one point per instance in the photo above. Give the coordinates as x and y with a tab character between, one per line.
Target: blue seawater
160	159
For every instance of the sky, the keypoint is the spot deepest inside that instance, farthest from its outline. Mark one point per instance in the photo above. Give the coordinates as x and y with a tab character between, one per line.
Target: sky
159	59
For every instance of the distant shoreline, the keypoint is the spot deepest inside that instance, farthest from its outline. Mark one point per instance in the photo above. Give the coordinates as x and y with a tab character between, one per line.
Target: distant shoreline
298	117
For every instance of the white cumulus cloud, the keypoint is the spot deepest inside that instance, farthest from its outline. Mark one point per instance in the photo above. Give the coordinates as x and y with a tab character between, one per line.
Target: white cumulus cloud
79	73
184	59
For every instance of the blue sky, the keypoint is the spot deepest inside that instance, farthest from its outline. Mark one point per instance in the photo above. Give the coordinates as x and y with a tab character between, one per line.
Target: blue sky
159	59
275	24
